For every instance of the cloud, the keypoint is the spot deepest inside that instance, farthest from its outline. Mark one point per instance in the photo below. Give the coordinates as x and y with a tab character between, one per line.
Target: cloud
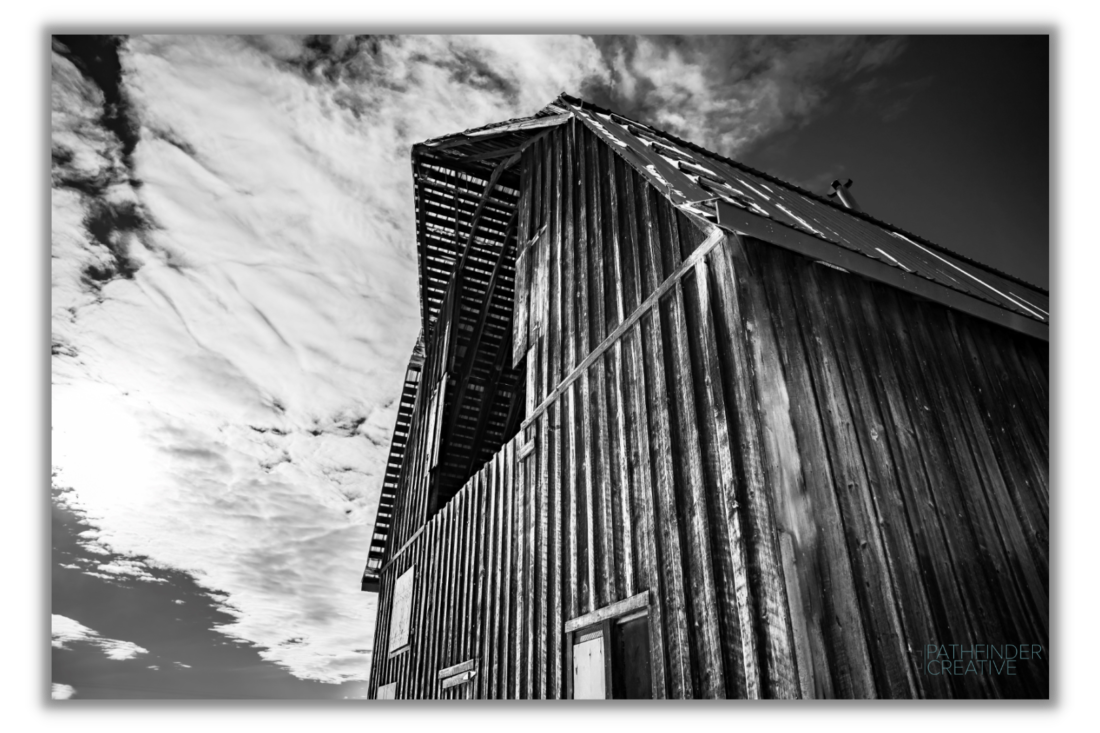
879	52
726	93
62	692
129	568
866	87
234	283
234	301
67	631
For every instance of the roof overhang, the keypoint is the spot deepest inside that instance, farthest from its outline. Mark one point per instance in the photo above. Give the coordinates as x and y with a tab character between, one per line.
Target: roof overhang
736	220
467	191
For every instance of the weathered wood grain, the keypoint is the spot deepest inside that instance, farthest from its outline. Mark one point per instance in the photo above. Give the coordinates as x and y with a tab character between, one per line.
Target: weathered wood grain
693	510
809	477
678	638
755	384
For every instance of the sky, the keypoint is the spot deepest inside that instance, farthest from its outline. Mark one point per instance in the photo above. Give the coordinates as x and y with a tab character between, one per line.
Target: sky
233	291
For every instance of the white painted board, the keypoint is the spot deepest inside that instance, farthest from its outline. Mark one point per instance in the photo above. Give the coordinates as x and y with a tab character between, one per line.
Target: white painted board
402	610
589	681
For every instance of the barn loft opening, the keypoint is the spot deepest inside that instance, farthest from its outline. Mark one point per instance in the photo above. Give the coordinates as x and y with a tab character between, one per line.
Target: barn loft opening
468	209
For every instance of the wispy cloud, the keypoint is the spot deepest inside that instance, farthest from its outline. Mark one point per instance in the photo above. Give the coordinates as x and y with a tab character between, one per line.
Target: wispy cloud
67	631
889	101
234	301
235	288
62	692
727	93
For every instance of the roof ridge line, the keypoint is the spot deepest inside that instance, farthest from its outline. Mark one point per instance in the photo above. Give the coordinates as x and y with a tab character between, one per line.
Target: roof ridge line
816	197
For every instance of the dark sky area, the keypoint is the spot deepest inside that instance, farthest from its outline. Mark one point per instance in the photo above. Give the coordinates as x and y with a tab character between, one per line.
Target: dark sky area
174	621
950	142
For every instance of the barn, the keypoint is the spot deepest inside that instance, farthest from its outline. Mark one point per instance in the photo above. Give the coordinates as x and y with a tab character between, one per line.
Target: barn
677	429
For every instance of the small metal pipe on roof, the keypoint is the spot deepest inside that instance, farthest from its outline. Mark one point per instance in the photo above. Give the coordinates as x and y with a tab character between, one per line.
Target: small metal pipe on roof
841	191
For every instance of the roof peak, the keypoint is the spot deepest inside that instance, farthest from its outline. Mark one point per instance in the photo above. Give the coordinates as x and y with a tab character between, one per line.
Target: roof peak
564	100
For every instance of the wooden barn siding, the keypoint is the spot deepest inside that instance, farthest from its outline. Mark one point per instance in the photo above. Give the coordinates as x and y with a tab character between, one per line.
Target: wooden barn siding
927	430
813	476
411	503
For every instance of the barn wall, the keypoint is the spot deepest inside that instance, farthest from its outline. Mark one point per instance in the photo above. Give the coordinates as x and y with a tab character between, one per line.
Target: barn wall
920	503
812	476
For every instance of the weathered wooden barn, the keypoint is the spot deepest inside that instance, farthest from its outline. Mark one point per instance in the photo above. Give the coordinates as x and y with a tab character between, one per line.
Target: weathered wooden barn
676	428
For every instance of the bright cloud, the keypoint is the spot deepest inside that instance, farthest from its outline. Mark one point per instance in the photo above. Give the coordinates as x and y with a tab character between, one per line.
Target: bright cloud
235	298
67	631
62	692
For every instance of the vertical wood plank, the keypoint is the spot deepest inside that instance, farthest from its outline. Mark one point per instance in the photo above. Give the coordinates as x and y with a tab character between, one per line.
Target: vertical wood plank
732	584
877	596
507	631
556	265
643	491
520	298
678	634
604	530
757	400
542	544
519	588
569	247
948	480
937	561
553	625
1019	462
867	404
688	464
620	476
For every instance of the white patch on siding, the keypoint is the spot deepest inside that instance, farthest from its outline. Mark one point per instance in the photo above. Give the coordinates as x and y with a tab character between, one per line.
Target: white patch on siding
653	171
698	212
402	610
588	670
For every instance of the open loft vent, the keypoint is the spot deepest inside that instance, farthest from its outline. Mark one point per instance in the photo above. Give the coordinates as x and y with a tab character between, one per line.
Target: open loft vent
467	201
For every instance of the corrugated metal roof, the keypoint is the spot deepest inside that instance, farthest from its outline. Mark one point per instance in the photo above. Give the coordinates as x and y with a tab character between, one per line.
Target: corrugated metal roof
697	179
